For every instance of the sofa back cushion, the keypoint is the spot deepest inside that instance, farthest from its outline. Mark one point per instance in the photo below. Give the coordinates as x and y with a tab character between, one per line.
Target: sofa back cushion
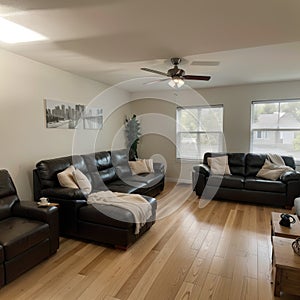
236	161
48	169
100	168
254	162
8	194
120	160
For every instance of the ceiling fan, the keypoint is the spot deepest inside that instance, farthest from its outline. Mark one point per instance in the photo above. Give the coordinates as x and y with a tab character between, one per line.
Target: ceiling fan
176	74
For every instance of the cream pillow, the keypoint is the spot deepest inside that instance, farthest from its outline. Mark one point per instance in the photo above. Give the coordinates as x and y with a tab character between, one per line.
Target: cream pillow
82	181
149	164
66	179
219	165
138	167
271	171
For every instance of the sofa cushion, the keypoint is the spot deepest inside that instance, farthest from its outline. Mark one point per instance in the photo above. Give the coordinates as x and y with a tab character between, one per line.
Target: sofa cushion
120	160
229	181
106	215
219	165
100	168
265	185
66	179
148	178
119	157
254	163
63	193
97	161
236	163
19	234
272	171
123	170
7	187
138	167
8	194
289	161
110	215
48	169
82	181
1	254
108	174
122	187
149	164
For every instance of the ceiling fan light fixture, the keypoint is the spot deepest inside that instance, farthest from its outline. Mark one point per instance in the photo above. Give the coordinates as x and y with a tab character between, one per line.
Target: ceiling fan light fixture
171	83
176	82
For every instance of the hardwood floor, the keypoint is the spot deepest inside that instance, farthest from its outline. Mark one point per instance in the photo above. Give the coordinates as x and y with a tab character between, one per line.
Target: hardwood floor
221	251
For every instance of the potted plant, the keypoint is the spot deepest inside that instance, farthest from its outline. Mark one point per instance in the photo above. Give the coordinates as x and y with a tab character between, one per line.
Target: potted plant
132	128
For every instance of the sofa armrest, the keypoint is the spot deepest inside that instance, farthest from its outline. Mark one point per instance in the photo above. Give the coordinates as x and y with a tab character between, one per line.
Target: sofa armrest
68	215
202	169
49	215
290	176
63	193
30	210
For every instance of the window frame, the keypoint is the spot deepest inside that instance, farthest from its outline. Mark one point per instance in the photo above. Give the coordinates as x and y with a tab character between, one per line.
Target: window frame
198	132
265	129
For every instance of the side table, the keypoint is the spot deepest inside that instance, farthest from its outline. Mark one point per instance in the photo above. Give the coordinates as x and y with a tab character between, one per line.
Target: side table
293	232
287	264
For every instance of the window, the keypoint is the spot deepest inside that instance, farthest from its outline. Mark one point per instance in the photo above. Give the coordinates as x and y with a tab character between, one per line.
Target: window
198	130
275	127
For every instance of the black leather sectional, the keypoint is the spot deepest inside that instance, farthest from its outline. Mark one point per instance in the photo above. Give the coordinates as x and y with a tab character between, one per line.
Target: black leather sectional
28	234
243	185
106	170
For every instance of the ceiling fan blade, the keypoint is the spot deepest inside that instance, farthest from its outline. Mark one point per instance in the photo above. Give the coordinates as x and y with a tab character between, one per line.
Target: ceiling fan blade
210	63
196	77
155	81
154	71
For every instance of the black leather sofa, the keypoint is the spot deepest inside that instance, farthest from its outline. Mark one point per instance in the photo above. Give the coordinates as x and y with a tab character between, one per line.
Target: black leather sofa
106	170
243	185
28	234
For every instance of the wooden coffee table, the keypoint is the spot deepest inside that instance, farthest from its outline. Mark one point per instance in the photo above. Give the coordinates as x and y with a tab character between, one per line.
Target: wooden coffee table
293	232
287	264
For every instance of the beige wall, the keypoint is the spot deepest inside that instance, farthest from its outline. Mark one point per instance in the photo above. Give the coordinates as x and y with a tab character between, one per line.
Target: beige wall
237	111
25	140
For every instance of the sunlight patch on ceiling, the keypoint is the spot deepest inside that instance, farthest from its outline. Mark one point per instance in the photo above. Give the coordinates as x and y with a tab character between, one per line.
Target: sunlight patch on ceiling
13	33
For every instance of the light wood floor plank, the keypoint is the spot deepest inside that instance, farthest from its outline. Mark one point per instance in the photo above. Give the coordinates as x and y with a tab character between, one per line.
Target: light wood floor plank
220	251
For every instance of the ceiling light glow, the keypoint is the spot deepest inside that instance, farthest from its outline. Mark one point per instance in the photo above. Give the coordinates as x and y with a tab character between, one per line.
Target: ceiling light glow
176	82
13	33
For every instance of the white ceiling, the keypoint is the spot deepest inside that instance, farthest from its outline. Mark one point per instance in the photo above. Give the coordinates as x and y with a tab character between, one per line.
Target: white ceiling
110	40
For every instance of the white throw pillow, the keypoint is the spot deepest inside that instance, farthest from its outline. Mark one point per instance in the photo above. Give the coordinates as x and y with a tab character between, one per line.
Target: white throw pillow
219	165
66	179
82	181
271	171
149	164
138	167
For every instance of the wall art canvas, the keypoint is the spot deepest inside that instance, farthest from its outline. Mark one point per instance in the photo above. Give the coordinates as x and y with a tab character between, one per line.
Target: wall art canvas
93	118
70	115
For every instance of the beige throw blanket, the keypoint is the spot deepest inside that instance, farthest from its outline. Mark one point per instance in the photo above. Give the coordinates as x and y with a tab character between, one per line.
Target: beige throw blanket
279	163
136	204
276	159
273	167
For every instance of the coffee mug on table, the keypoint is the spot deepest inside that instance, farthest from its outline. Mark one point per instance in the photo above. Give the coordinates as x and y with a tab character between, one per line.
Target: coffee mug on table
286	220
44	200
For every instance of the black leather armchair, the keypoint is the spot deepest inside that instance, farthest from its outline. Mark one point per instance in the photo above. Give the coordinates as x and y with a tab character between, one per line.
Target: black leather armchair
28	234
